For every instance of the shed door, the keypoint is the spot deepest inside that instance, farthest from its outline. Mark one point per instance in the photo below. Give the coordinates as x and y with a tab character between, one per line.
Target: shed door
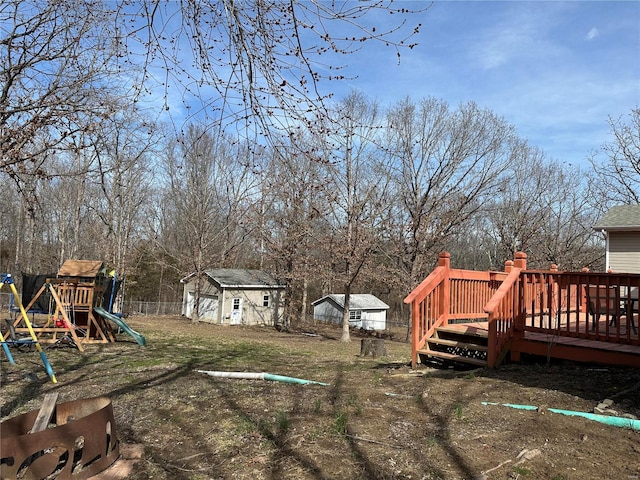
208	307
236	311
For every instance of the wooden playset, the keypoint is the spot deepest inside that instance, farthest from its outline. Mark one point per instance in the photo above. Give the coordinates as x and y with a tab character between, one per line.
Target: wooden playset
75	293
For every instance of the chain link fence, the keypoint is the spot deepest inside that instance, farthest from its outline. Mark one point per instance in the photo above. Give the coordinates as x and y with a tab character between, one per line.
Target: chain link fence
132	307
5	299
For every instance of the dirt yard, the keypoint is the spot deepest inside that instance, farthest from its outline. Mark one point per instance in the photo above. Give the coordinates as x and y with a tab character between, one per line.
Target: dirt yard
376	418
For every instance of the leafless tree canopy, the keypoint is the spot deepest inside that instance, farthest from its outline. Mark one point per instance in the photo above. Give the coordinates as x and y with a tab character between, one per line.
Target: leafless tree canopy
617	168
263	169
56	79
258	61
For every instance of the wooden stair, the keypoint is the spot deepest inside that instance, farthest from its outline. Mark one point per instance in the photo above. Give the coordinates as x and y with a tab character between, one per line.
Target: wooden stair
456	344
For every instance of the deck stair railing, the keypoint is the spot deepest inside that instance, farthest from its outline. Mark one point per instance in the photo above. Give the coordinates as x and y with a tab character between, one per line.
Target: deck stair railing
522	307
449	296
503	310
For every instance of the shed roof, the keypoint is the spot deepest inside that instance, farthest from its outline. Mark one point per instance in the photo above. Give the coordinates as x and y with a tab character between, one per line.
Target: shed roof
239	278
357	301
622	217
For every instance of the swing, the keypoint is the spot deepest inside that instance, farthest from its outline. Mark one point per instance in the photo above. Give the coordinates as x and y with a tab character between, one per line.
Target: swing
6	279
56	324
68	321
12	339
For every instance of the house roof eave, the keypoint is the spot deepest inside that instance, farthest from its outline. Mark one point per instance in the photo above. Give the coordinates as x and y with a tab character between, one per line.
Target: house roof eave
220	282
626	228
620	218
338	299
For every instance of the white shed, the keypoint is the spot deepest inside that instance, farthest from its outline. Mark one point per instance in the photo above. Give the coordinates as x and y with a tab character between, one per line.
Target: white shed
621	226
365	310
234	297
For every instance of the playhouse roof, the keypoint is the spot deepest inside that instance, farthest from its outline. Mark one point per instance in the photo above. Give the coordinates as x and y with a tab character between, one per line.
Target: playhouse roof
357	301
622	217
81	268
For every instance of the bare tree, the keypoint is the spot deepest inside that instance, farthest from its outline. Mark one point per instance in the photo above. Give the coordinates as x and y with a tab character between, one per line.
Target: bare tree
446	163
567	238
357	193
616	178
515	214
210	182
125	165
8	224
67	193
543	210
56	69
258	63
292	207
58	80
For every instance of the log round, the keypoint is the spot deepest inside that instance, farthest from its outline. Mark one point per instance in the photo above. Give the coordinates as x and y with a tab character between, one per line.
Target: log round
373	346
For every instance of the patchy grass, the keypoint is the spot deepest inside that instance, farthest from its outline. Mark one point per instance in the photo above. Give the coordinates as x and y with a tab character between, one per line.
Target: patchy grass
377	419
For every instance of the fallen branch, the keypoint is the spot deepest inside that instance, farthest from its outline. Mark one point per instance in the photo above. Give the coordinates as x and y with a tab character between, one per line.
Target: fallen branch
373	441
496	468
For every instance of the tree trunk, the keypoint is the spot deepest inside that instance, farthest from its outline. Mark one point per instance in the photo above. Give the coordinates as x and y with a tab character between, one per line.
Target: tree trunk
195	313
373	346
345	316
305	294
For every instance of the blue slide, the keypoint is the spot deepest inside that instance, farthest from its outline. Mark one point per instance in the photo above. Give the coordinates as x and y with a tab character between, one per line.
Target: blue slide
122	324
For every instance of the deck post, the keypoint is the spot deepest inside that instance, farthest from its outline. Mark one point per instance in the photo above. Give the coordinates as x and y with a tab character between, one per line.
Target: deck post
583	294
444	260
415	332
520	261
554	292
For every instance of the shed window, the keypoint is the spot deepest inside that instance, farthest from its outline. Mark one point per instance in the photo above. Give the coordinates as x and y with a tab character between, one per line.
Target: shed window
236	304
265	300
355	314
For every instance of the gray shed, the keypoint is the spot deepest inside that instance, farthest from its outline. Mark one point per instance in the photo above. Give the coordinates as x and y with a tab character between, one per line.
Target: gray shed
365	310
234	297
621	226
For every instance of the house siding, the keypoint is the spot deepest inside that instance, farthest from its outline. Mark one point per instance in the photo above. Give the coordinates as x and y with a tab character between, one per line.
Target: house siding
374	319
624	252
328	311
219	304
253	311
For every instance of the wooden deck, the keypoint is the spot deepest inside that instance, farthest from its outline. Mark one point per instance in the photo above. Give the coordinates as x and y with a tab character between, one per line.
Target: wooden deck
543	313
584	347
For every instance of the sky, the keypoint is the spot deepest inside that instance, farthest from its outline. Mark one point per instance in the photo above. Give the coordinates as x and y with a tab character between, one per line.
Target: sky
555	70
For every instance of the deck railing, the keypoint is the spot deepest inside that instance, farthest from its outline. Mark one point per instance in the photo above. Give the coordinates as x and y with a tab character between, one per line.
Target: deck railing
594	306
503	310
449	295
558	304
